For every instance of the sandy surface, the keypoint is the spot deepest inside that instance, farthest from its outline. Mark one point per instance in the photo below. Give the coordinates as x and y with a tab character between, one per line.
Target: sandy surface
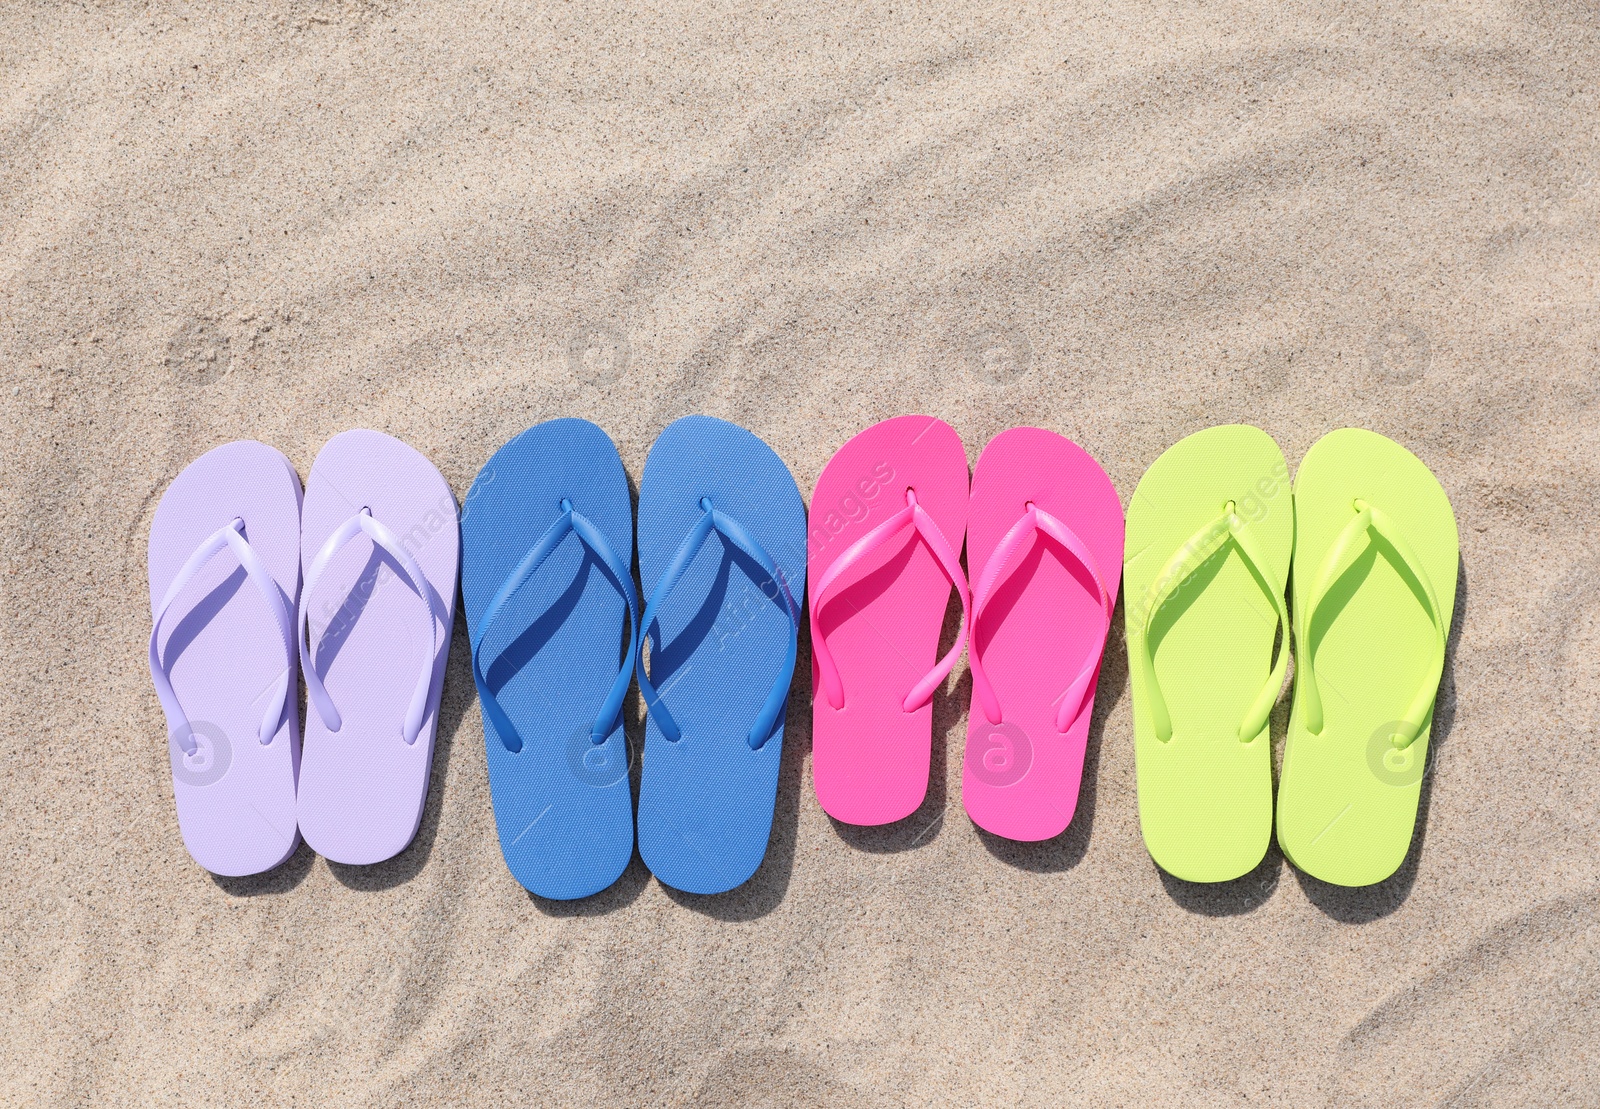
1122	221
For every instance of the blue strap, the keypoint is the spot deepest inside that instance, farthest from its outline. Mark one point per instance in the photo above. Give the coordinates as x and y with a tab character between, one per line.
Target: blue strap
574	521
767	718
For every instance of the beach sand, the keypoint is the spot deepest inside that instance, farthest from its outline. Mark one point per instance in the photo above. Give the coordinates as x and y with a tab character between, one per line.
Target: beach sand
1122	221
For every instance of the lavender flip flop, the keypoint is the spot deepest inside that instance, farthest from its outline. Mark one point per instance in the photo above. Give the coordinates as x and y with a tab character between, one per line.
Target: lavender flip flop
222	653
380	543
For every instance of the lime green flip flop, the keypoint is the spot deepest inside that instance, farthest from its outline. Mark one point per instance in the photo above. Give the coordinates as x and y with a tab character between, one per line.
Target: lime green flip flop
1374	593
1210	535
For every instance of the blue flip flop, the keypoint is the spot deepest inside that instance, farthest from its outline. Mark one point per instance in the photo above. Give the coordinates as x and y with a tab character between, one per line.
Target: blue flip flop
547	579
723	620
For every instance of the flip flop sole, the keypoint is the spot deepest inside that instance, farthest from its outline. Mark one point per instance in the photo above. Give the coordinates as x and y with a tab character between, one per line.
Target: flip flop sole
1205	795
563	806
882	619
1347	798
224	655
706	799
1020	778
362	788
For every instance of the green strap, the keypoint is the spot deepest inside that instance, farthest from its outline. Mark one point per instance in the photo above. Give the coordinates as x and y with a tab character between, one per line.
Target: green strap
1368	519
1184	561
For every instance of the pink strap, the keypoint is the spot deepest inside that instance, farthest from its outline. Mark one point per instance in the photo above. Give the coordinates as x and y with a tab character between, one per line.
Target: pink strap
913	515
1037	519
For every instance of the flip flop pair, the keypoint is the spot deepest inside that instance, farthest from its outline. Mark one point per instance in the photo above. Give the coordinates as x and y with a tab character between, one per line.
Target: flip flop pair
557	638
1213	532
1043	525
374	539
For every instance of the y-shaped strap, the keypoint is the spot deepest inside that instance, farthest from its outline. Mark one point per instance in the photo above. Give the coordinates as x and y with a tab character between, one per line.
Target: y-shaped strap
730	529
1369	518
1184	562
231	536
359	524
912	515
1034	520
576	522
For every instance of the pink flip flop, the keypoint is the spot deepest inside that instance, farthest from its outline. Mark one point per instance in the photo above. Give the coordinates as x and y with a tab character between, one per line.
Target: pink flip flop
381	547
884	547
224	575
1045	542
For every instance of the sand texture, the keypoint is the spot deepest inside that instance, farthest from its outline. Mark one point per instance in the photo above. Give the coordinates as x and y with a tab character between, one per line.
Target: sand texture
1123	221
